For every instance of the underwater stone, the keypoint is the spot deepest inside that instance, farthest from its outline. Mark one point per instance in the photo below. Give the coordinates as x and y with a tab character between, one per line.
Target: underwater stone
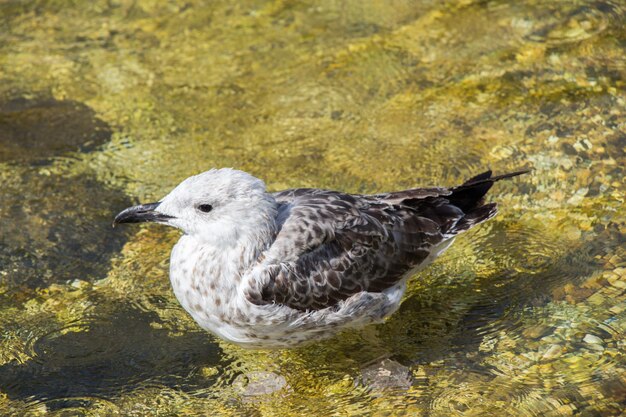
591	339
616	309
43	128
259	383
616	282
553	351
386	374
538	331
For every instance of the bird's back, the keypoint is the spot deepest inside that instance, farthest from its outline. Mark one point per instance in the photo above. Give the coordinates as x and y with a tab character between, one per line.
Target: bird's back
333	245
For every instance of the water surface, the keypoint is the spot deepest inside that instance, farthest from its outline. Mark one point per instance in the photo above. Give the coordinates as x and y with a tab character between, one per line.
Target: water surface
108	103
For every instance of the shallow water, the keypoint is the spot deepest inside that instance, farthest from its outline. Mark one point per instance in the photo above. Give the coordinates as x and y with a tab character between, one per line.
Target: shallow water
107	103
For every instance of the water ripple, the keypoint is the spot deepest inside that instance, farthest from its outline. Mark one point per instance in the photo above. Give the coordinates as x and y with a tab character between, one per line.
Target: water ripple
562	22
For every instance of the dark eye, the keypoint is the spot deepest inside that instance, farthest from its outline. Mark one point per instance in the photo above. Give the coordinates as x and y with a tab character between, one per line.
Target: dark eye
205	208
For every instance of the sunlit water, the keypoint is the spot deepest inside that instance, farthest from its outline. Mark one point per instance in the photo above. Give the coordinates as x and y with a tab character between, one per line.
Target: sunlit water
103	104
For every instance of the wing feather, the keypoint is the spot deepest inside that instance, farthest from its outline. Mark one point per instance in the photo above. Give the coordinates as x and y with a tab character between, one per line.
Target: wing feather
332	245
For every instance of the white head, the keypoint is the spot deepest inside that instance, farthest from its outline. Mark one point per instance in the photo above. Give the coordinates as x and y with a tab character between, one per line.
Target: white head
218	207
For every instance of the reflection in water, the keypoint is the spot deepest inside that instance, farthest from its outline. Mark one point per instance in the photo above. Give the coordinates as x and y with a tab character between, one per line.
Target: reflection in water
525	315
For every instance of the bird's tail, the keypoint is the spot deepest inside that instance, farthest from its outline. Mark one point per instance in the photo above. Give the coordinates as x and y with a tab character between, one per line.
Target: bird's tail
469	197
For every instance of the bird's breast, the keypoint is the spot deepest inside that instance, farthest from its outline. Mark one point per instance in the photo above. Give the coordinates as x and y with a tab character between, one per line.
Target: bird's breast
206	281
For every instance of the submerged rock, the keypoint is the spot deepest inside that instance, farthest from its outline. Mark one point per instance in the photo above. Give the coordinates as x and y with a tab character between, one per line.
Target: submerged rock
538	331
255	384
594	343
43	128
386	374
553	351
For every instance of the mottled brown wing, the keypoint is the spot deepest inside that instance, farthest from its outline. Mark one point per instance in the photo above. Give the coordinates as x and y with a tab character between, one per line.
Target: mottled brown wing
332	245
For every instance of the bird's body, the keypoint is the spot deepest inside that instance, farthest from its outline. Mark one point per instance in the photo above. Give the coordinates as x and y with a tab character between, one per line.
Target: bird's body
267	270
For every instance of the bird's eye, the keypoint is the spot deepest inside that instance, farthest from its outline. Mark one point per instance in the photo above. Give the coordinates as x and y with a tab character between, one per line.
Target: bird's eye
205	208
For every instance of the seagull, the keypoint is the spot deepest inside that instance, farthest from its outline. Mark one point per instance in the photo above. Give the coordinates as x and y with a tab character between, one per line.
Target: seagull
280	269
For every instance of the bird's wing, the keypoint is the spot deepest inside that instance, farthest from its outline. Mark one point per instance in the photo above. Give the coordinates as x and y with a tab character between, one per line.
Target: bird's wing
333	245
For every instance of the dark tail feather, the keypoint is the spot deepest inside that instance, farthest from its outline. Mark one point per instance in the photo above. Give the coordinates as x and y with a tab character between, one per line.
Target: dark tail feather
486	176
480	177
469	198
469	195
473	217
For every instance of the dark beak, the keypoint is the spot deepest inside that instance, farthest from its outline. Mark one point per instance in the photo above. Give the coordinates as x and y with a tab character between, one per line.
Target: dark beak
140	214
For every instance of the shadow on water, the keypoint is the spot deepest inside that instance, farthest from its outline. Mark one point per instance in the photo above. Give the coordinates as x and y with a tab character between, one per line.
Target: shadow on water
444	322
106	356
55	225
57	228
454	306
451	316
32	129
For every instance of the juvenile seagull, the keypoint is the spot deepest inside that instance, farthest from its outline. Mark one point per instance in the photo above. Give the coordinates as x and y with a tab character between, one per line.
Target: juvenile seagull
272	270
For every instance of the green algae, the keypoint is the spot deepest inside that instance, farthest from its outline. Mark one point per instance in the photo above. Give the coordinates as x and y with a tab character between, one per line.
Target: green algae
358	96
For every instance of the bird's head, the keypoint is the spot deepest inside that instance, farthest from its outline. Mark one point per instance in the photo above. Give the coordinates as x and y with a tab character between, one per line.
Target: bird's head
216	206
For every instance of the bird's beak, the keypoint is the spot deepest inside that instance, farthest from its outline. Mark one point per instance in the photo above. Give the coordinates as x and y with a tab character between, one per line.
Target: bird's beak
141	213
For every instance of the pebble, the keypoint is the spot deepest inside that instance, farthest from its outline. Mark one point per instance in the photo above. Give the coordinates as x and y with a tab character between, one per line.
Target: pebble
551	339
259	383
575	294
209	371
386	374
591	339
78	283
614	260
597	299
617	283
538	331
578	196
553	351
